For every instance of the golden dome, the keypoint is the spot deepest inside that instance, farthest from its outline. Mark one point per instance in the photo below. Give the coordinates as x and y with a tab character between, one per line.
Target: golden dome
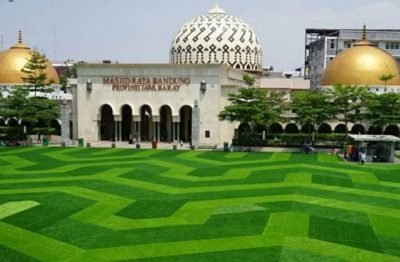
14	59
361	64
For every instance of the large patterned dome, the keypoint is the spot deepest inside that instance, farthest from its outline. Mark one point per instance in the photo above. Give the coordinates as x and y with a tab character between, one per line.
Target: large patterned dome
217	38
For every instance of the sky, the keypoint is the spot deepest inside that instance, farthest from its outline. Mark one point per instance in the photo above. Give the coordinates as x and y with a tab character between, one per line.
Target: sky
141	31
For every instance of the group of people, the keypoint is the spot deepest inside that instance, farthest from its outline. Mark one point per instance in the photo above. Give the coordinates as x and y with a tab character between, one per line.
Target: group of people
356	154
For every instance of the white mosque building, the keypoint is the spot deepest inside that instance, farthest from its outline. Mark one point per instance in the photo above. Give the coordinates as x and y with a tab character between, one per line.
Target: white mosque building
179	101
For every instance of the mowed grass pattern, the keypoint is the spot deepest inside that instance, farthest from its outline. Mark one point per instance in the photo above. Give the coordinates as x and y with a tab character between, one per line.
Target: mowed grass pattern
79	204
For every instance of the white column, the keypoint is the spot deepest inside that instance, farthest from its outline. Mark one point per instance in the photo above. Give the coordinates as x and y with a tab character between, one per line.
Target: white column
158	131
119	130
139	132
116	130
178	133
173	132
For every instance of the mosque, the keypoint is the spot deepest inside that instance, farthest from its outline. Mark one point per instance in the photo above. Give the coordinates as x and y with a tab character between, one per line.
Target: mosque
180	101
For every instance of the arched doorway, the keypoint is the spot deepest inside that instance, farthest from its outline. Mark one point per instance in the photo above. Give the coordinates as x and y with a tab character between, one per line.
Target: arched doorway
392	130
12	122
126	125
185	125
146	122
341	129
243	128
2	122
291	129
307	128
375	130
107	128
56	127
324	129
165	124
276	128
358	129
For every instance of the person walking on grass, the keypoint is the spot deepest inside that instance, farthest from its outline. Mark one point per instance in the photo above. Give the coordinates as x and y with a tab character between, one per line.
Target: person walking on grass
363	157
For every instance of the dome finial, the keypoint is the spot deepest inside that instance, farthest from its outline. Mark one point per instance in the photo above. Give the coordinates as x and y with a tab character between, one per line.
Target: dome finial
19	37
216	10
364	33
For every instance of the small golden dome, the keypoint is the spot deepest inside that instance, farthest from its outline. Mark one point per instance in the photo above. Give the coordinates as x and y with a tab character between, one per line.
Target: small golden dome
14	59
361	64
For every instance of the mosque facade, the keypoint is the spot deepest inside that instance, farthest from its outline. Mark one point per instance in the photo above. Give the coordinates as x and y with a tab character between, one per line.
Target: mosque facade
175	102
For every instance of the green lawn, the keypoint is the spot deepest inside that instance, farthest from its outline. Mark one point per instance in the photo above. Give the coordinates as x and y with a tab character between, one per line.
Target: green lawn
80	204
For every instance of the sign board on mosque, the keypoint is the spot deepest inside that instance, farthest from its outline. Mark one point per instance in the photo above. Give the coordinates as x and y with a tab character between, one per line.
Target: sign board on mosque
129	83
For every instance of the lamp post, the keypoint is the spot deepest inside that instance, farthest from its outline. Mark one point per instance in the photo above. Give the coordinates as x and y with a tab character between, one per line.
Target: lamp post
65	132
203	86
89	85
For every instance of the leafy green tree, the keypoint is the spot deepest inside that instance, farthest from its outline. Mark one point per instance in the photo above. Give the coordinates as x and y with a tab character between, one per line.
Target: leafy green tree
386	77
33	110
245	107
30	109
249	80
15	105
272	106
347	103
312	108
70	72
253	106
384	109
35	74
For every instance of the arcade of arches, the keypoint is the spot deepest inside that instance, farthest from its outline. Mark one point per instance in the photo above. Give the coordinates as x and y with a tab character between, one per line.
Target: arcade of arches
325	128
146	126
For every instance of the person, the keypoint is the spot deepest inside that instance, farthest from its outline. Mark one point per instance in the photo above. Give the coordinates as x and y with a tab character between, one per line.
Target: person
39	137
363	157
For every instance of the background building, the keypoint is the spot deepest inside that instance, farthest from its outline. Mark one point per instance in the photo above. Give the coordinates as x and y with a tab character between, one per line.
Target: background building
322	45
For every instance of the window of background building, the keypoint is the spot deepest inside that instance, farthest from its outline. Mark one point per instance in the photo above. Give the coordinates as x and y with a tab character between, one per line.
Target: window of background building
207	134
392	45
348	43
332	43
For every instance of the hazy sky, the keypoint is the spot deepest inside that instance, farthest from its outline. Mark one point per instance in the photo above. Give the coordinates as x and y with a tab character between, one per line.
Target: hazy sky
141	31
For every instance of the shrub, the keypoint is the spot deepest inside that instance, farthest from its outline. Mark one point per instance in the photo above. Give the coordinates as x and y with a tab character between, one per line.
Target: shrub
12	133
289	140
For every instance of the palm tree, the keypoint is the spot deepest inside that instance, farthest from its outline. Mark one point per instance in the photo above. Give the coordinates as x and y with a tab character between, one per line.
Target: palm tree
386	77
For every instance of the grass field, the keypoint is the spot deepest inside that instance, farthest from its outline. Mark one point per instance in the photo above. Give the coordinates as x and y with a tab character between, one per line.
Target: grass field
79	204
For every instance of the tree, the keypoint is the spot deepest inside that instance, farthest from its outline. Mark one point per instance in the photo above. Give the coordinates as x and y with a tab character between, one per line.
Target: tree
35	74
34	109
31	109
15	105
249	80
70	72
272	107
253	106
347	101
312	107
244	108
384	109
386	77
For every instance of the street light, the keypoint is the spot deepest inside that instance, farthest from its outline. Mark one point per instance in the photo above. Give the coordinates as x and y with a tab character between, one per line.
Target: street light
203	86
89	85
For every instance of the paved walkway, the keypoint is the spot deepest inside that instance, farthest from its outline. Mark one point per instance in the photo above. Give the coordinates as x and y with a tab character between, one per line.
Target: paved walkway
143	145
